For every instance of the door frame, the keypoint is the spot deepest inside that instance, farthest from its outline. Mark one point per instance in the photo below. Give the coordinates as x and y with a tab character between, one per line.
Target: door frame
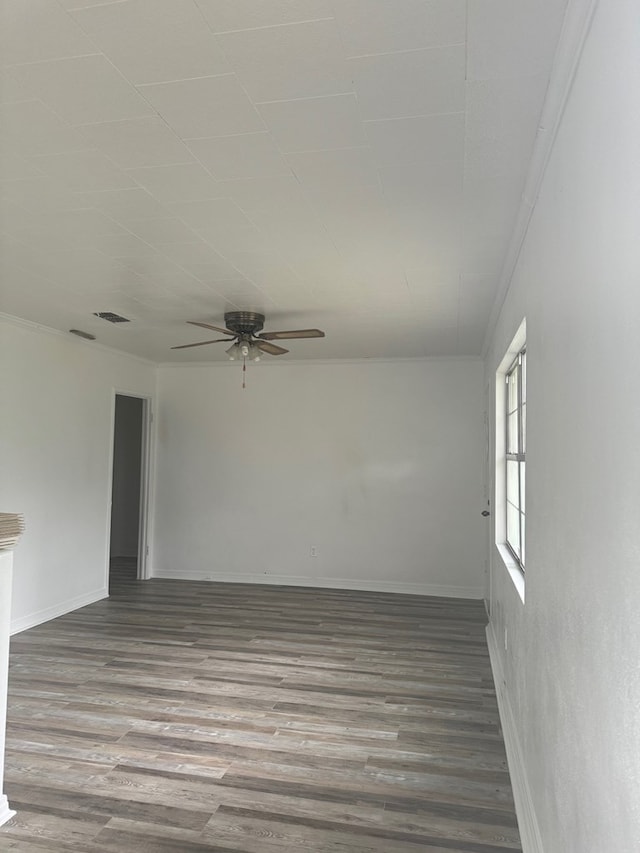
146	491
488	491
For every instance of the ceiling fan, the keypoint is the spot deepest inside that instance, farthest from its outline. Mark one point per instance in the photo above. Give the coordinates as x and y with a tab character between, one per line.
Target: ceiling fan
244	328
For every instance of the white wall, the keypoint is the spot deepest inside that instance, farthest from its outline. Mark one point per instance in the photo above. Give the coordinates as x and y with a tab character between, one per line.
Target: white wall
572	668
127	460
377	465
55	447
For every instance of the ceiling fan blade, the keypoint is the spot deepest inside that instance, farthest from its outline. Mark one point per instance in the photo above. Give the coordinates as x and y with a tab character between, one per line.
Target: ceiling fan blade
272	349
203	343
294	333
209	326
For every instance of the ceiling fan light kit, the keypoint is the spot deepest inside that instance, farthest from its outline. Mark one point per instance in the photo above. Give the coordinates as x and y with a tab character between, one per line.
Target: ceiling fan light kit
245	350
244	329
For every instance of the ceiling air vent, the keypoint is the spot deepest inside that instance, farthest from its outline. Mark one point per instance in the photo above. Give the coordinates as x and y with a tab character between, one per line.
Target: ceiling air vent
111	317
81	334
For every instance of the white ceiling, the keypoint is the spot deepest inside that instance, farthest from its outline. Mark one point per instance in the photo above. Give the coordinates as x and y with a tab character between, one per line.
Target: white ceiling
352	165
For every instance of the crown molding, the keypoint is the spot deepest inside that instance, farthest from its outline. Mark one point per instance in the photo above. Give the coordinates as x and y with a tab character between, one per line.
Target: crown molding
300	362
12	320
39	327
310	362
575	29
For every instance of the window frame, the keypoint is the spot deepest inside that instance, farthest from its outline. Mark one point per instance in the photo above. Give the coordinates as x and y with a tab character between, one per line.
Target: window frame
518	367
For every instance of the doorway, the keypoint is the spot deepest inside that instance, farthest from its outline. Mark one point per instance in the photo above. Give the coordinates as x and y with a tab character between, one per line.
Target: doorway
127	535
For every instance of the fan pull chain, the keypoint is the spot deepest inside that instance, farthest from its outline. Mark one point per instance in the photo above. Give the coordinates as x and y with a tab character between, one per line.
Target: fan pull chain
244	372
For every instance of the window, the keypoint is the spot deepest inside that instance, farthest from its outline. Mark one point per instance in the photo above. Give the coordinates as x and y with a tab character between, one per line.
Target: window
515	446
509	482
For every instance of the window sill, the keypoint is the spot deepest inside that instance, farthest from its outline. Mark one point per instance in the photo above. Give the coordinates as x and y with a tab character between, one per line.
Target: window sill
513	569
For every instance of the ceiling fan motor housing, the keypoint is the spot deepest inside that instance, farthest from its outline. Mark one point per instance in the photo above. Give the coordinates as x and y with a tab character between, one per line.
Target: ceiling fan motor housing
244	322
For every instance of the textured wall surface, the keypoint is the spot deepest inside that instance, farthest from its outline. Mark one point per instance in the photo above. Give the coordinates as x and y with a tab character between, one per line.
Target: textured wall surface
376	465
55	450
571	666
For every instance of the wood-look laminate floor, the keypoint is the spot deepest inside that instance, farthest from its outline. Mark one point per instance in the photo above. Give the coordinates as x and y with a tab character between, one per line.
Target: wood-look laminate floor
189	717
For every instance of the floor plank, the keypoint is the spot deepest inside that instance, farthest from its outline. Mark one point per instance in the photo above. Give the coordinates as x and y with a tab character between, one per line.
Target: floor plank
183	716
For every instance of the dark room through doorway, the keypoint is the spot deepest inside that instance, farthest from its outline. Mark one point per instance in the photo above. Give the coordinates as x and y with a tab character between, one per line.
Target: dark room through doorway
128	442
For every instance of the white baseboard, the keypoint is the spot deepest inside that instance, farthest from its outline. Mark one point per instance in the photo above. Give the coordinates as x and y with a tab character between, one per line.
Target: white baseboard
530	836
439	590
33	619
5	812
